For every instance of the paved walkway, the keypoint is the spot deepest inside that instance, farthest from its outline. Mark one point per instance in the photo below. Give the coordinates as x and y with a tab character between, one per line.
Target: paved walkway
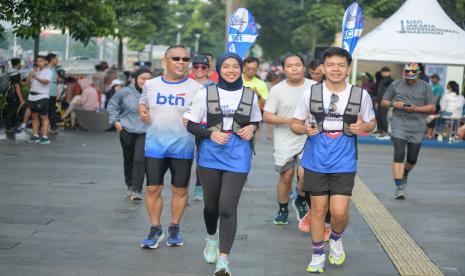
63	212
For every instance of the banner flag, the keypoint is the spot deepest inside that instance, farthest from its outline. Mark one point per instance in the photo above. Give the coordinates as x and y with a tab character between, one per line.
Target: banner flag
242	32
352	26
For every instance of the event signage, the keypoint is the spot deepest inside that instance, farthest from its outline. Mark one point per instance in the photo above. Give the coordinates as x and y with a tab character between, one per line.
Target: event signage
352	26
418	27
242	32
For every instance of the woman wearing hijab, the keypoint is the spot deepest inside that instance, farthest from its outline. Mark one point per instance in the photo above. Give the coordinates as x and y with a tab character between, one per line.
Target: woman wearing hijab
224	154
124	115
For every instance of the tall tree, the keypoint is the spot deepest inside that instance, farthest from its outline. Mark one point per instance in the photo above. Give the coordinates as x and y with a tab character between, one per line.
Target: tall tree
137	20
83	18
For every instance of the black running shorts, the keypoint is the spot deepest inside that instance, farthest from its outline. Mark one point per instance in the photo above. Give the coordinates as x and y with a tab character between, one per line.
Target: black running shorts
39	106
328	183
180	170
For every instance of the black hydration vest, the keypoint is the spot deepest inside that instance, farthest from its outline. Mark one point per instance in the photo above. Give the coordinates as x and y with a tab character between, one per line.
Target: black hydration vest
215	116
350	115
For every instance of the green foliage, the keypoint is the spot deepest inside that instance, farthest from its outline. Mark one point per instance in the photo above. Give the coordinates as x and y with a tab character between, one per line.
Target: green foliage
299	28
83	18
138	19
195	16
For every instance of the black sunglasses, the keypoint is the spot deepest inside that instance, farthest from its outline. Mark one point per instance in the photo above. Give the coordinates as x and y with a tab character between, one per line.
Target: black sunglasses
408	71
185	59
333	102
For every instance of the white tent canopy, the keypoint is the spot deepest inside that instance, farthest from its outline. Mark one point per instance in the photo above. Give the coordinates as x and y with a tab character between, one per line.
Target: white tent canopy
419	31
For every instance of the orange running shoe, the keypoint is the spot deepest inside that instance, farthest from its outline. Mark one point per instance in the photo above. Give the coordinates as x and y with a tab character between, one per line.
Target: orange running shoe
304	224
327	232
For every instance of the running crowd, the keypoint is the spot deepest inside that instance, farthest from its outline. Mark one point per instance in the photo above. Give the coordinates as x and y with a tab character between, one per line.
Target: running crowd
214	114
211	116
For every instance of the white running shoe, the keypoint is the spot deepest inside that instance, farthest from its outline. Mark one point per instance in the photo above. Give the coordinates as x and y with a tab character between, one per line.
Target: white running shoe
211	252
337	256
317	265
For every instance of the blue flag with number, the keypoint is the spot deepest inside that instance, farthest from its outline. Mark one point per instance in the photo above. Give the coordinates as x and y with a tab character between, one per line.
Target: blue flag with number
242	32
352	26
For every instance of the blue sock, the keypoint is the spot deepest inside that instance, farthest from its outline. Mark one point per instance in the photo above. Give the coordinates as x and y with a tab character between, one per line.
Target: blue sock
398	182
335	235
319	248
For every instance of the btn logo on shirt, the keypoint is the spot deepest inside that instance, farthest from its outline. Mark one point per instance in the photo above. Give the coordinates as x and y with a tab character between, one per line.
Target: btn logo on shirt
177	100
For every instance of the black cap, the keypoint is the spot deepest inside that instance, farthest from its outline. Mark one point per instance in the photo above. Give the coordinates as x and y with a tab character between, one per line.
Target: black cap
385	69
200	59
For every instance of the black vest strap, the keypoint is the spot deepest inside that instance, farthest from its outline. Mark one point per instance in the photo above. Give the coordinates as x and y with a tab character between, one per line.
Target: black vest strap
215	116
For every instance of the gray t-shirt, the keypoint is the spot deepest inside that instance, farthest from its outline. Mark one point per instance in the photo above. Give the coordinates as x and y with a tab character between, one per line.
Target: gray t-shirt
420	94
282	102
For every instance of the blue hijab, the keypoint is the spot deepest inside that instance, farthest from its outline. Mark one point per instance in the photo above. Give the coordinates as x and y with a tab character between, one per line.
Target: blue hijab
222	83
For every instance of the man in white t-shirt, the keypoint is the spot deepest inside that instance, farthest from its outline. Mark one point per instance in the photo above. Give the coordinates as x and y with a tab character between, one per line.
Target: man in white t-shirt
279	111
168	145
338	112
40	80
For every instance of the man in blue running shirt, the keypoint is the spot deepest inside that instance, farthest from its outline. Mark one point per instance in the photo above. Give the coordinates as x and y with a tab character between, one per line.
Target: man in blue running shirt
338	112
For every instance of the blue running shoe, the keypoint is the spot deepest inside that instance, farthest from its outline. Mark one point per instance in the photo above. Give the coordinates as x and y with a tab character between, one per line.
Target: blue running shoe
281	217
300	207
175	237
198	193
34	140
154	237
44	141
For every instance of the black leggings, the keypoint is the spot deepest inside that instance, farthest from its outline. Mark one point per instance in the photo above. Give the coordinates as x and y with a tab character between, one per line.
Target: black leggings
413	149
134	160
221	193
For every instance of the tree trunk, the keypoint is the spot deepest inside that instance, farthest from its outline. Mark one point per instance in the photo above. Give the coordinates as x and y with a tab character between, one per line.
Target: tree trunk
120	54
36	46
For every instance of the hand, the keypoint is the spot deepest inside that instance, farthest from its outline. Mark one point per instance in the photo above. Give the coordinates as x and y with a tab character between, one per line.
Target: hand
398	105
184	122
21	101
144	115
220	137
311	131
246	133
357	127
118	127
461	131
410	108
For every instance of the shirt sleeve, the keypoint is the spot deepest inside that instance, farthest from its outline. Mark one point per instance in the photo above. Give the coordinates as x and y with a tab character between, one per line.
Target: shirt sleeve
198	110
271	102
49	75
114	107
429	95
263	90
366	109
256	114
143	97
302	110
389	94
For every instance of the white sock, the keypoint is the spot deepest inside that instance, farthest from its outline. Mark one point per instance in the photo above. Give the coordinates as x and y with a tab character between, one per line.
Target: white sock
23	125
45	137
212	237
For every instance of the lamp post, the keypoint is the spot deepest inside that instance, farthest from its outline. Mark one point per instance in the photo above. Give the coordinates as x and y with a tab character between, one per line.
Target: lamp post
197	38
67	45
178	35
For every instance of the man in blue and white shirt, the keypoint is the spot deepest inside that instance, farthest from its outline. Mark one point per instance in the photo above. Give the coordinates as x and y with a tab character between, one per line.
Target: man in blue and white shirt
168	145
330	153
